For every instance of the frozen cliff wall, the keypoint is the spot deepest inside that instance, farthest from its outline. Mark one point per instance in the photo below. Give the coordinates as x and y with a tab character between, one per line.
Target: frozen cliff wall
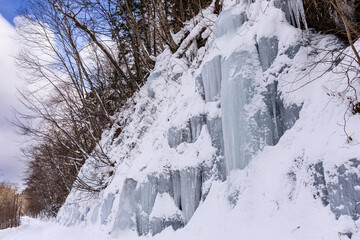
238	133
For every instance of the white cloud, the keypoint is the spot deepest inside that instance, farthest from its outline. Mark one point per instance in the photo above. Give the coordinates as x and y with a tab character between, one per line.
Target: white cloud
11	168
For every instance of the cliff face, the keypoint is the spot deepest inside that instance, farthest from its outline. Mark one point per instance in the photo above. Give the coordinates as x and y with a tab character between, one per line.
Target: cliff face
249	132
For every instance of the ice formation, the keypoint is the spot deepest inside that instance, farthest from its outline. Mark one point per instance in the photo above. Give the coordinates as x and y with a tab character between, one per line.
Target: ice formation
211	78
232	106
294	11
237	132
340	188
228	23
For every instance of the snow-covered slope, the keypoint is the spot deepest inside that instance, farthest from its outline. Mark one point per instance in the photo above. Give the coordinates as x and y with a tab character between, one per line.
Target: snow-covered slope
244	138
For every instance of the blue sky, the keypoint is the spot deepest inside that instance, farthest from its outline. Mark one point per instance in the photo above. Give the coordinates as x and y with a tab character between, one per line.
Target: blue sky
9	9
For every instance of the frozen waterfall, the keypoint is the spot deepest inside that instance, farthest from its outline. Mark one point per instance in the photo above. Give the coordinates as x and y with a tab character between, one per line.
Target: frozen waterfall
238	111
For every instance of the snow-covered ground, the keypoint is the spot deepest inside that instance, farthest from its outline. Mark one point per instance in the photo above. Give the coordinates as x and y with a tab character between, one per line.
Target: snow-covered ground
35	229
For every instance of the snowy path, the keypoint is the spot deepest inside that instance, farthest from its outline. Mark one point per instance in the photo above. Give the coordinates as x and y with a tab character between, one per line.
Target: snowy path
34	229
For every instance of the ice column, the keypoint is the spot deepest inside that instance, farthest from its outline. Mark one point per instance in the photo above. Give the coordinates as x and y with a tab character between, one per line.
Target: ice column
236	92
127	204
211	76
191	184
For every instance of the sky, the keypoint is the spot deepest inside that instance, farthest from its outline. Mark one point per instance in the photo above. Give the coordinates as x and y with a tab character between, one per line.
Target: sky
9	9
11	168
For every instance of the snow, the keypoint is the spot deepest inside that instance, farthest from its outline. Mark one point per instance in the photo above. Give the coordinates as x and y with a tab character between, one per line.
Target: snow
253	101
43	230
164	207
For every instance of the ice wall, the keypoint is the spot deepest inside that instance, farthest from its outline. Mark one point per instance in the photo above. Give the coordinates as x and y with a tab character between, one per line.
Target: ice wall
241	112
140	205
228	84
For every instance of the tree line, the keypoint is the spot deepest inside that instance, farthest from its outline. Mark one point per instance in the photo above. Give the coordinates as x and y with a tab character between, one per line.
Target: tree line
11	203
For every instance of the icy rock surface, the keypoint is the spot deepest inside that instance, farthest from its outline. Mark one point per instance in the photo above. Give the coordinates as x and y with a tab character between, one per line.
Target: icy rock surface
339	188
74	215
228	23
282	117
344	192
268	50
150	82
320	182
292	50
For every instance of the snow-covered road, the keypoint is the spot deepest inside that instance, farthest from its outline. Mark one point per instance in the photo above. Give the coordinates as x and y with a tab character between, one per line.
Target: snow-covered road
35	229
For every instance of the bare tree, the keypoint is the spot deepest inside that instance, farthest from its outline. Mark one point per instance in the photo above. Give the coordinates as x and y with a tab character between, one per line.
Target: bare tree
84	60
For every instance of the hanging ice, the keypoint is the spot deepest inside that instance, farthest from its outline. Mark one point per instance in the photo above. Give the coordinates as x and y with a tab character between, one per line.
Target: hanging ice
196	124
191	183
211	77
127	204
106	207
236	91
245	131
343	189
178	135
95	214
146	193
188	134
215	129
294	12
176	187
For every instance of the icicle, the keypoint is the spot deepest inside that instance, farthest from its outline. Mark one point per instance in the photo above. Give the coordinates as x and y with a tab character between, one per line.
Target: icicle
190	179
297	13
248	2
106	207
211	76
273	101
